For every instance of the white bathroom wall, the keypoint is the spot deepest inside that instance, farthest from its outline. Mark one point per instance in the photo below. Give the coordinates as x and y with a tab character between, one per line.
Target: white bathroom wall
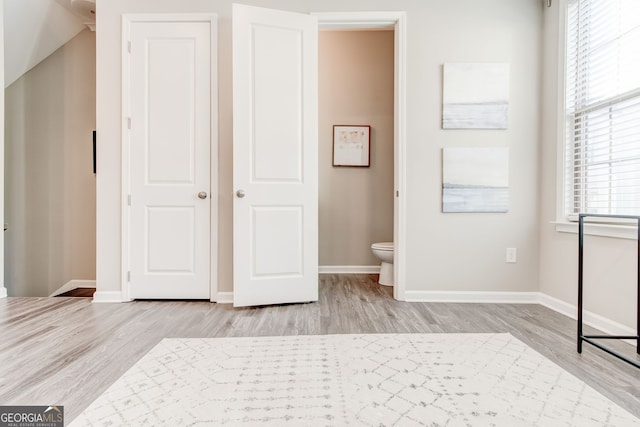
445	252
355	86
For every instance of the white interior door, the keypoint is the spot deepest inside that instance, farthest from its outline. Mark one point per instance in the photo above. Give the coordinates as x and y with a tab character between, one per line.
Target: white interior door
275	229
170	137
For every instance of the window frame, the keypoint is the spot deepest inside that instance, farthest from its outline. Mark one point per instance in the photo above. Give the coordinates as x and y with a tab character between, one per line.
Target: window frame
567	223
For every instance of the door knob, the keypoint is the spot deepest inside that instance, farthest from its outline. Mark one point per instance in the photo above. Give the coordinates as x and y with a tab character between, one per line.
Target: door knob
240	194
202	194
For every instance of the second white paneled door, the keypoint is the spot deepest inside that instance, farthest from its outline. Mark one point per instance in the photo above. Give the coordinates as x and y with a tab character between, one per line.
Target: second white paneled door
169	143
275	157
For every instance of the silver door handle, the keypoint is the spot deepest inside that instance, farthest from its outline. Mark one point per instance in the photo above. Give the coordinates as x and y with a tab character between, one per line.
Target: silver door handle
202	194
240	194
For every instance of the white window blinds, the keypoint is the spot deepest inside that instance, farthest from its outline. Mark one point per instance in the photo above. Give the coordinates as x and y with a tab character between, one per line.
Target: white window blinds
603	107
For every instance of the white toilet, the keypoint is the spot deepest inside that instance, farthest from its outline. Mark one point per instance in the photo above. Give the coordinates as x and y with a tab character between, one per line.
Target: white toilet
384	252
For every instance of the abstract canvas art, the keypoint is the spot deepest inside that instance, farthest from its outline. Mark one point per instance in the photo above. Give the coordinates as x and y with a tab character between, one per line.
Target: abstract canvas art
475	179
351	145
475	96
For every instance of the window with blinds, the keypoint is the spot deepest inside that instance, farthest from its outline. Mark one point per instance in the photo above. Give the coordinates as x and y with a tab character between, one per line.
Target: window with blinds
603	107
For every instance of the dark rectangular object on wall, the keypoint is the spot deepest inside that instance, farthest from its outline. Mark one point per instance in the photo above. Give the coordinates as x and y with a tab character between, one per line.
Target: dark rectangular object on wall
94	151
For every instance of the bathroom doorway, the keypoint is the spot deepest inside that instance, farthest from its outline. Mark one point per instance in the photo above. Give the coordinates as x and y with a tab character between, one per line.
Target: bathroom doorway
361	83
355	88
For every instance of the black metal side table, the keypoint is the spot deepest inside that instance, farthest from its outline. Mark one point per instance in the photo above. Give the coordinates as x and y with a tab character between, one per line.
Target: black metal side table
590	338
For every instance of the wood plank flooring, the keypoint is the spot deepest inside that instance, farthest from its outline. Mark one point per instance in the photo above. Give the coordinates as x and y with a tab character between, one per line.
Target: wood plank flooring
67	351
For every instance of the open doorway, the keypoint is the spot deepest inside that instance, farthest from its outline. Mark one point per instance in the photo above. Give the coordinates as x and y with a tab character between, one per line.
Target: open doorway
393	22
356	202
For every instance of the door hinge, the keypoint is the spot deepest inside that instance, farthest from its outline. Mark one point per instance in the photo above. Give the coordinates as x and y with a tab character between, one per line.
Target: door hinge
397	193
129	122
129	199
129	46
128	276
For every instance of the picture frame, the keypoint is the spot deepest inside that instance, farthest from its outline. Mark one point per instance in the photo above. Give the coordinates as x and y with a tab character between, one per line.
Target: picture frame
351	145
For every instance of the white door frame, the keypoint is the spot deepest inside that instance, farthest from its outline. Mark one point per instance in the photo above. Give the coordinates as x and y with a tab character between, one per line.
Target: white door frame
397	21
127	20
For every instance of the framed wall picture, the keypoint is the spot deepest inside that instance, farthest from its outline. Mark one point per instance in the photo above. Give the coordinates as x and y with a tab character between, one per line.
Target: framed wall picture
351	145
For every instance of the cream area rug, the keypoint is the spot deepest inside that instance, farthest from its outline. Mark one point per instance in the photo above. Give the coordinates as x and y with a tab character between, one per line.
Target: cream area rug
351	380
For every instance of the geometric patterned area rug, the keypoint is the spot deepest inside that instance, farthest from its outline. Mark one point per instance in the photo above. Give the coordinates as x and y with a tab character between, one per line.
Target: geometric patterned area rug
356	380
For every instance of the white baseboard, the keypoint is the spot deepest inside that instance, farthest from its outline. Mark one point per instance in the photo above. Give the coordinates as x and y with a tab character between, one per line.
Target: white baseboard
594	320
473	297
107	297
225	298
3	292
74	284
349	269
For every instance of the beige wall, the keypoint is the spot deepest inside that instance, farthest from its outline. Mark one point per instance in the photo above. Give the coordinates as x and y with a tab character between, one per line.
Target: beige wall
355	86
444	252
50	186
609	262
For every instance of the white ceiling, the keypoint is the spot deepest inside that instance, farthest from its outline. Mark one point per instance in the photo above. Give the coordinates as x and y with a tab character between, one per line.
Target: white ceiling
33	30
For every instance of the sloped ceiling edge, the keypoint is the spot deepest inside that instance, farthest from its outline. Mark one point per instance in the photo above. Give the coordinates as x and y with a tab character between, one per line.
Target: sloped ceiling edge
33	30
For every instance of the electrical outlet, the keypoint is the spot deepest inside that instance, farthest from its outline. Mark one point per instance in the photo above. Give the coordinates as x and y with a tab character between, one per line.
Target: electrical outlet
512	255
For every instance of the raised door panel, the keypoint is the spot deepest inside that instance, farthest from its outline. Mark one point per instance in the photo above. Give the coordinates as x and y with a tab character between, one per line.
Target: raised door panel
277	96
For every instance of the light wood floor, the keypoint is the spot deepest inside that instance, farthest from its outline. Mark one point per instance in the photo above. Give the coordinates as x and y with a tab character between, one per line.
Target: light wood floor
67	351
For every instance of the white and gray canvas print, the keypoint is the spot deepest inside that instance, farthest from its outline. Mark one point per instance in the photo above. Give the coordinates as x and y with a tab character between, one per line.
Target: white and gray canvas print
475	179
475	96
